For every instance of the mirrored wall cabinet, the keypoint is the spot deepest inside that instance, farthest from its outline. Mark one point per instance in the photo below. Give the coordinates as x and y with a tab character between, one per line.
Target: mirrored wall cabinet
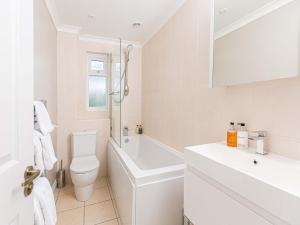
255	40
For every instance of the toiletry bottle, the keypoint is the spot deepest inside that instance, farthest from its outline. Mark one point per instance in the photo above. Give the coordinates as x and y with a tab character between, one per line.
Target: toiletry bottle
238	126
232	136
242	137
137	129
140	129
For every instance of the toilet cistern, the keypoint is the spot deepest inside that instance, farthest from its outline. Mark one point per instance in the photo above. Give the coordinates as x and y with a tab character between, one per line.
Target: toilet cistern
84	167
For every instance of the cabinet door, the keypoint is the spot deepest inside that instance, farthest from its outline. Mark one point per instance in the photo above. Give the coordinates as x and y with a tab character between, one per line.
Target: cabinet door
206	205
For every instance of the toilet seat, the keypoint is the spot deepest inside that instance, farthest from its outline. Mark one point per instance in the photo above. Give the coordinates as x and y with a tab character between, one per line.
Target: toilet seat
82	165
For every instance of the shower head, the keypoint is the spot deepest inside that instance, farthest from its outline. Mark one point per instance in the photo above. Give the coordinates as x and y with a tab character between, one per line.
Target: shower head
129	48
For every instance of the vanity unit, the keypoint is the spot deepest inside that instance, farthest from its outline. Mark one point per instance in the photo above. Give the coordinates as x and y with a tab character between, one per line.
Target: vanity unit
227	186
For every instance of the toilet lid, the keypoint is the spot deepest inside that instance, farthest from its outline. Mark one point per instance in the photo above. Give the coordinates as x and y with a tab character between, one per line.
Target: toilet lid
84	164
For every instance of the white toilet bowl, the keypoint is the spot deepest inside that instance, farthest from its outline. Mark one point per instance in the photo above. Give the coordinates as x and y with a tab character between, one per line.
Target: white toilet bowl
84	167
84	171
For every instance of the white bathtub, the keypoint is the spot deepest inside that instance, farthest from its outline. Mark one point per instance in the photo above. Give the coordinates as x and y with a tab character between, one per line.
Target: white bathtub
147	181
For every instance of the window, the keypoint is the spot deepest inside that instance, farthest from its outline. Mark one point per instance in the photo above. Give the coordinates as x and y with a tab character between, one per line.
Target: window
117	67
97	92
97	82
97	65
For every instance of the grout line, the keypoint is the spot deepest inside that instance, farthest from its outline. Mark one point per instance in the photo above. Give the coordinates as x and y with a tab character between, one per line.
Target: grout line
115	211
113	200
107	221
65	210
60	194
110	191
110	194
115	208
95	203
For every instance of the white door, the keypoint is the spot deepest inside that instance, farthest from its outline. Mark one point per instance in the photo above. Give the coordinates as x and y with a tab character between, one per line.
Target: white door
16	110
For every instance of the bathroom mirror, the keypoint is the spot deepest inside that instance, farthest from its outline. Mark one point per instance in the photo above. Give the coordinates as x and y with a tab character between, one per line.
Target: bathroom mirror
255	40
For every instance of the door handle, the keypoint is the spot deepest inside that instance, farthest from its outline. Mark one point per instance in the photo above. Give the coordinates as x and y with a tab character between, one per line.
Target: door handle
30	175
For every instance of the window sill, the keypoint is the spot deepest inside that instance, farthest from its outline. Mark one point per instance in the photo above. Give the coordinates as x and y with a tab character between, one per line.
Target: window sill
97	109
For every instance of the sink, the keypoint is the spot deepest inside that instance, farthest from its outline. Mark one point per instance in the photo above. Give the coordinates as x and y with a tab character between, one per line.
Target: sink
268	185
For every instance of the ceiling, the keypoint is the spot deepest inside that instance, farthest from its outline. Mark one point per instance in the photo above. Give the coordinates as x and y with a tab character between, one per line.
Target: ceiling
236	9
114	18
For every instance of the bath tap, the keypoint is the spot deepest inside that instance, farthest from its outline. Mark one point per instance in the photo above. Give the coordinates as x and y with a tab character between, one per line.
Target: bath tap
125	131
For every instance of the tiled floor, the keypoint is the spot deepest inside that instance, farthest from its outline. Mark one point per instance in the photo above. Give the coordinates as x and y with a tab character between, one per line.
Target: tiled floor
98	210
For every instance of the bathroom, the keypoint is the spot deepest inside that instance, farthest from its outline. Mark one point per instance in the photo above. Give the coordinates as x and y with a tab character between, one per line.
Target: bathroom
177	71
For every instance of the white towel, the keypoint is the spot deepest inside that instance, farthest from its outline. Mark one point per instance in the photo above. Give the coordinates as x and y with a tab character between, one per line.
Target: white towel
42	118
38	214
44	208
49	157
38	151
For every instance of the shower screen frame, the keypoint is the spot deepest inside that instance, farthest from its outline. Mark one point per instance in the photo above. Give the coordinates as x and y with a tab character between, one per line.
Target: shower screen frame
115	108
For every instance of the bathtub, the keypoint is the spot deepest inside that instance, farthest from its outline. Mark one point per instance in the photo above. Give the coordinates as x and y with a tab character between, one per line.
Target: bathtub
146	179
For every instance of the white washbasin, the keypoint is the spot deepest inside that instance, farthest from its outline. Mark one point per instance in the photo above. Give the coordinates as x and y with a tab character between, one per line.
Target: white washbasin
271	182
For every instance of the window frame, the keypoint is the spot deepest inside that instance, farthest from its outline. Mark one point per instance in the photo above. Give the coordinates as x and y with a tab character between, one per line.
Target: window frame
105	73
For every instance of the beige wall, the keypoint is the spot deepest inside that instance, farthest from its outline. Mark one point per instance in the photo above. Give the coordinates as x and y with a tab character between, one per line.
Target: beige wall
179	109
265	49
72	83
45	68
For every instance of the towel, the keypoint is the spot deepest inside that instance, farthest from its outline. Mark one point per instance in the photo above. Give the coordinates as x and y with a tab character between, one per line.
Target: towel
49	157
44	204
43	120
38	151
38	214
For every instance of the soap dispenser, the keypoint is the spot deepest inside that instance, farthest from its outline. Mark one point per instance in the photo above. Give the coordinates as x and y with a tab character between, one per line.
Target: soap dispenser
242	137
232	136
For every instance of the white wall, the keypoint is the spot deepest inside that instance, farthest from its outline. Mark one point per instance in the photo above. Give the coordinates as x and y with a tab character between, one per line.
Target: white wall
45	67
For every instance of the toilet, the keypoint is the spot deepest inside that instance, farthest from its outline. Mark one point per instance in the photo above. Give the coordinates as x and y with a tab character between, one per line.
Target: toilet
84	167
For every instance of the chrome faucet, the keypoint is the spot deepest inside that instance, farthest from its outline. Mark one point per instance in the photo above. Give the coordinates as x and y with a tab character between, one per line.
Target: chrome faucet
259	137
125	131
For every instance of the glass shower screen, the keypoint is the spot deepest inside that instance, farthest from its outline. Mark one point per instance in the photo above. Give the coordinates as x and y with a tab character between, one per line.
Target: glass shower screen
115	94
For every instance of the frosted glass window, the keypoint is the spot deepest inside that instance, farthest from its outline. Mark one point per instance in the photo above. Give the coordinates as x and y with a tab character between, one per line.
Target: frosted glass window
97	80
97	92
97	65
118	67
